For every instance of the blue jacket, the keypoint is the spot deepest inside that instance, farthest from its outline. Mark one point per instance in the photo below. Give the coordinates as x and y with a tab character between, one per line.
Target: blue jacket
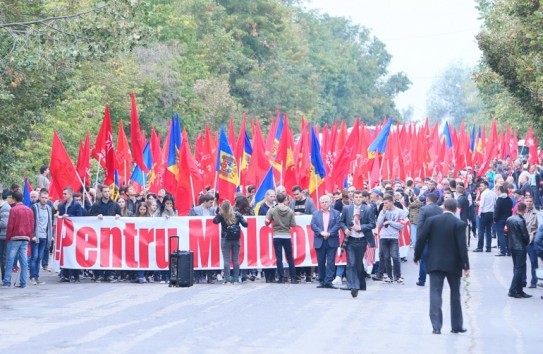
317	226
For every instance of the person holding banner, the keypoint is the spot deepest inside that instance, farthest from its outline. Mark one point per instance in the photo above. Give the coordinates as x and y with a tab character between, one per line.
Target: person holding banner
230	235
105	206
68	209
282	218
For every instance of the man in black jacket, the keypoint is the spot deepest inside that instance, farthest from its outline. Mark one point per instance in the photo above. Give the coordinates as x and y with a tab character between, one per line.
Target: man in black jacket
518	241
444	236
427	211
357	222
105	206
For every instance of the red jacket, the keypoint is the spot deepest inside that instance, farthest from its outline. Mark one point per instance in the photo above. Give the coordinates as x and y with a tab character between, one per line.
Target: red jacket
20	223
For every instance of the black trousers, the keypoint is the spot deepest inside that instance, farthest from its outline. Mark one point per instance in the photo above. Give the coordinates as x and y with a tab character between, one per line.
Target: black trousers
436	290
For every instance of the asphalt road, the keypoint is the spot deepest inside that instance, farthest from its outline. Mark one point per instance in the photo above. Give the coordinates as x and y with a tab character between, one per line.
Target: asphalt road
259	317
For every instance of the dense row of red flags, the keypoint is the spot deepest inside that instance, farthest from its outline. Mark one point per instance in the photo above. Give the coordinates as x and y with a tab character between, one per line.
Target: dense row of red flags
347	155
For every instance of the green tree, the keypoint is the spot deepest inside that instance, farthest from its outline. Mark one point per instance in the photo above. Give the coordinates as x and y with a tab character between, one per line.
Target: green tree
454	96
511	42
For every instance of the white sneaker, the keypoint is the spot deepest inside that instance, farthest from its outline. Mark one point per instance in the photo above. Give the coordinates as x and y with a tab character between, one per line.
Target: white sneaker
33	281
400	280
337	281
219	277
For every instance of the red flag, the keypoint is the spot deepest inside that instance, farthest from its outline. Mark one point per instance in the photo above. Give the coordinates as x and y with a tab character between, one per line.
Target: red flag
209	157
83	160
302	157
156	174
103	150
259	164
375	175
347	154
285	157
531	143
123	156
191	184
136	138
63	173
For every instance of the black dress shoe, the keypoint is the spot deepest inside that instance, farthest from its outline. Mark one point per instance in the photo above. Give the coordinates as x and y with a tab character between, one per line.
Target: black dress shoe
461	330
524	295
478	250
436	331
419	283
516	296
354	292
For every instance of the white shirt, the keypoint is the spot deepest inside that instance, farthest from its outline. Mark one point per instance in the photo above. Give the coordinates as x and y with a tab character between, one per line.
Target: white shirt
487	202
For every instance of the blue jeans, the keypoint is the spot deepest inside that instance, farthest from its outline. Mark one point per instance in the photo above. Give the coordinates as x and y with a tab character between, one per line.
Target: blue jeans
326	256
279	244
391	249
532	256
499	225
36	255
230	253
413	234
16	250
422	265
485	231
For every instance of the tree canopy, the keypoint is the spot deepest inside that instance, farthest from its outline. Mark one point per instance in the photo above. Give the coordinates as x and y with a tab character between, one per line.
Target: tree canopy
62	61
510	78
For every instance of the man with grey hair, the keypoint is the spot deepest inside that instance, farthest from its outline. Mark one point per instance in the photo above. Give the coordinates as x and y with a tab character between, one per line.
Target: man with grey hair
325	224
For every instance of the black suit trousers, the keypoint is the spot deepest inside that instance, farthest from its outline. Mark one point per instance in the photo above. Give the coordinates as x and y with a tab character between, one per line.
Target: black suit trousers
436	289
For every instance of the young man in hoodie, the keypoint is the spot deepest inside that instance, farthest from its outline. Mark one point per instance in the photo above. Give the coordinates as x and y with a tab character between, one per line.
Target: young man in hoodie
282	218
390	221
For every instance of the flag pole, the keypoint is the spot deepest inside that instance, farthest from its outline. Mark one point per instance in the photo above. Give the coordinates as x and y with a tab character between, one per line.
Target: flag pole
97	174
192	190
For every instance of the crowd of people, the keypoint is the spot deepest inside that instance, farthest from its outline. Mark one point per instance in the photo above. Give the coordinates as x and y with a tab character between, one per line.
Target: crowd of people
502	204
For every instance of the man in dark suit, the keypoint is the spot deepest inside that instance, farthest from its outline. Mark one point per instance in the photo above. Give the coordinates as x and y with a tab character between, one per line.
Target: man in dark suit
325	224
357	221
427	211
445	238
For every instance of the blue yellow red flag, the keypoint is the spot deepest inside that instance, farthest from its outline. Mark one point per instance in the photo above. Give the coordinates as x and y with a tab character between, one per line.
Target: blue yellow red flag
267	184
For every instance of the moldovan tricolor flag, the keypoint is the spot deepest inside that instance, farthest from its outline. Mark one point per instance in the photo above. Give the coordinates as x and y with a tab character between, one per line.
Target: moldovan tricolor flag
267	184
317	171
227	169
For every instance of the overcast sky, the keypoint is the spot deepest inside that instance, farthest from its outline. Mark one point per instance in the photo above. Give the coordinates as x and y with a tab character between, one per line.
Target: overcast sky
423	37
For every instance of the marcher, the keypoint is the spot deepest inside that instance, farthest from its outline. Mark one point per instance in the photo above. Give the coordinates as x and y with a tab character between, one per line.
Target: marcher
444	235
69	208
325	224
357	222
390	220
5	208
19	233
518	242
43	233
282	218
230	243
